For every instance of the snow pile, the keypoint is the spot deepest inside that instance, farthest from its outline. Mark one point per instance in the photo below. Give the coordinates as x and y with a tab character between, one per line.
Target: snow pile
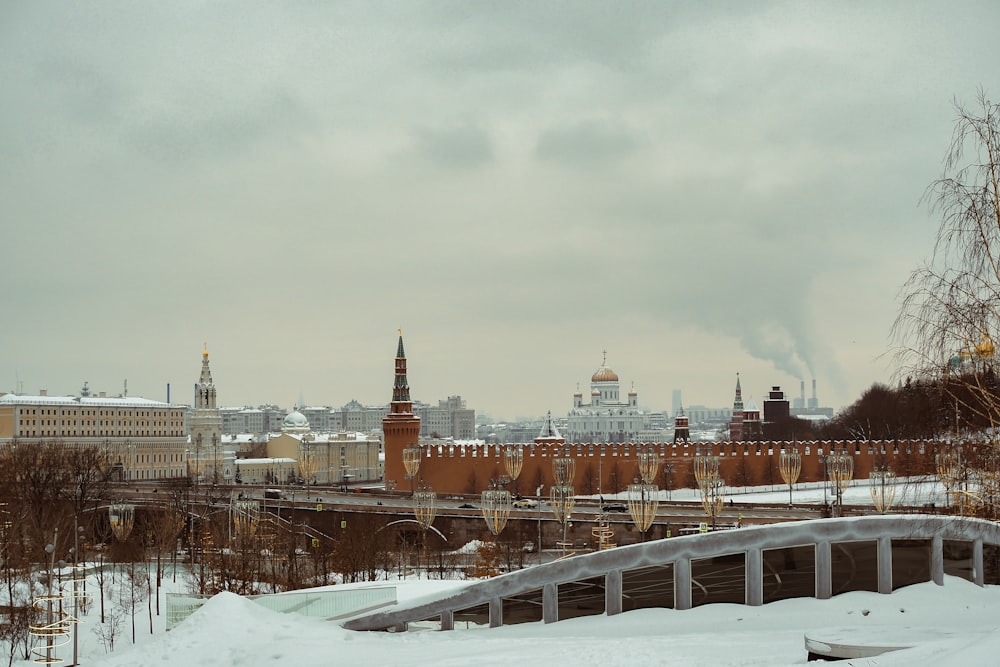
231	631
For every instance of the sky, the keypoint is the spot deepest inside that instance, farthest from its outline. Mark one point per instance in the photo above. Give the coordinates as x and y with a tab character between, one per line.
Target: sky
698	189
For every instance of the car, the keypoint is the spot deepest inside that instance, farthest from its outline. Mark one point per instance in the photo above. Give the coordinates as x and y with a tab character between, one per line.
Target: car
614	507
525	503
466	506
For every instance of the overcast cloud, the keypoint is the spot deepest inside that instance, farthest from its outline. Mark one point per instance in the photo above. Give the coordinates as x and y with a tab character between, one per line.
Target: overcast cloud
700	189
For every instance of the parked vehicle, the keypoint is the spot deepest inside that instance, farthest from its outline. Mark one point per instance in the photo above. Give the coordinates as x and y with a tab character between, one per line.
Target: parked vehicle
273	494
614	507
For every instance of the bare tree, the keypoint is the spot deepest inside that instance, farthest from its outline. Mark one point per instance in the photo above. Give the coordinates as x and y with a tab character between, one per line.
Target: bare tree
950	313
951	304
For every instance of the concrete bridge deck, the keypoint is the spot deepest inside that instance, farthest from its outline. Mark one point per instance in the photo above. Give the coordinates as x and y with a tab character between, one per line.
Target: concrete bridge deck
752	566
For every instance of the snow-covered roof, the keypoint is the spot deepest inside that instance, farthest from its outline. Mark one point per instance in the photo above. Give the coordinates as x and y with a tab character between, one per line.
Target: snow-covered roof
102	401
246	462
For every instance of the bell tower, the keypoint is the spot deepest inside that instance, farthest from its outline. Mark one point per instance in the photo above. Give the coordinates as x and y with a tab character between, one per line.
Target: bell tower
206	426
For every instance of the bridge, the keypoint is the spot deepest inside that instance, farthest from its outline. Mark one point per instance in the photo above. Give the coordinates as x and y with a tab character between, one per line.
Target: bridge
753	566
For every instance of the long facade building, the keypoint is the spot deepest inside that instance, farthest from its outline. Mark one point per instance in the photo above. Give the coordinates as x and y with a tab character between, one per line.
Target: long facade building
144	439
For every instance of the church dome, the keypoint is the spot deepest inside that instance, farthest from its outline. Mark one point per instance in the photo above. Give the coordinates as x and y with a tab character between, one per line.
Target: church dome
604	374
295	421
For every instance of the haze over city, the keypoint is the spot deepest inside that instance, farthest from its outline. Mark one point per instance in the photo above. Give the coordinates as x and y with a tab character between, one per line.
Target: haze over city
699	190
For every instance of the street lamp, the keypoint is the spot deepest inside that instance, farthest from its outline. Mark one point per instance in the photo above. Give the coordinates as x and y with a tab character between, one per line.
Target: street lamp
649	465
245	516
712	499
122	518
215	458
197	458
790	465
563	498
496	504
706	470
563	471
513	461
424	509
643	499
710	483
840	470
307	461
883	489
411	464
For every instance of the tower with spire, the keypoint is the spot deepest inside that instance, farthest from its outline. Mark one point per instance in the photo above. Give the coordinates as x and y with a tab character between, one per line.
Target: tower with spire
549	435
682	430
206	424
736	422
400	428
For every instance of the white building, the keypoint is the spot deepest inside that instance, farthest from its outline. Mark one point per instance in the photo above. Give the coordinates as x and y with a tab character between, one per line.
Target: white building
606	418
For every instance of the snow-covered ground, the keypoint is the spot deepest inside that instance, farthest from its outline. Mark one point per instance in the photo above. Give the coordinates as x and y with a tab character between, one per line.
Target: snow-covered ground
958	624
959	620
908	492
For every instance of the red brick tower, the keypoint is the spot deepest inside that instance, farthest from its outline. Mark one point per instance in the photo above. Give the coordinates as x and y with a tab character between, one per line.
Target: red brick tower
400	428
682	430
736	423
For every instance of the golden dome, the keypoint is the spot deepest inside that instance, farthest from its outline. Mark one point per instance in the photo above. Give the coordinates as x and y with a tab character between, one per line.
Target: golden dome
604	374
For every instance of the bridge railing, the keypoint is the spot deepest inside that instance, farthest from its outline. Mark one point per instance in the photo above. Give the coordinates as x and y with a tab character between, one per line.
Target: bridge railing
752	566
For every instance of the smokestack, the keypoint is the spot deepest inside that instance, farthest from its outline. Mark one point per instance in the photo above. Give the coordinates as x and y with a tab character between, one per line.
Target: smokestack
814	402
814	389
168	392
803	388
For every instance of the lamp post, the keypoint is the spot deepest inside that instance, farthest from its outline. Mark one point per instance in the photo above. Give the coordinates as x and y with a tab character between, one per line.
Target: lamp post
790	465
563	498
307	462
883	489
643	500
668	477
496	504
411	464
563	471
122	518
840	470
50	549
649	465
424	509
245	515
513	462
197	459
710	483
215	459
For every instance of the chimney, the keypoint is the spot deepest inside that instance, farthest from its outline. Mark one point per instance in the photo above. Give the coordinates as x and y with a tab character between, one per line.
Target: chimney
43	392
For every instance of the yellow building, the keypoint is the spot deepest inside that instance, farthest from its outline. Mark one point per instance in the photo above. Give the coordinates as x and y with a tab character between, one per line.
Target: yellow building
144	439
327	458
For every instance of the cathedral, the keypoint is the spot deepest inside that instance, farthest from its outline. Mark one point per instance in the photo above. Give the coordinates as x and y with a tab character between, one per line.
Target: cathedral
605	418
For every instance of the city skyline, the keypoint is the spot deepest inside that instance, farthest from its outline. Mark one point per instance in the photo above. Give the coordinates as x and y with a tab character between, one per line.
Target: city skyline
698	190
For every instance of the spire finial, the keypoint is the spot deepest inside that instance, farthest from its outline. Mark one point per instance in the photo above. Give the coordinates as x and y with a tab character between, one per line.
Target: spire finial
604	359
204	352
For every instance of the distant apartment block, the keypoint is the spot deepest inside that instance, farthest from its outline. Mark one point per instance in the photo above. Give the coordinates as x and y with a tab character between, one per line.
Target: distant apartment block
451	418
